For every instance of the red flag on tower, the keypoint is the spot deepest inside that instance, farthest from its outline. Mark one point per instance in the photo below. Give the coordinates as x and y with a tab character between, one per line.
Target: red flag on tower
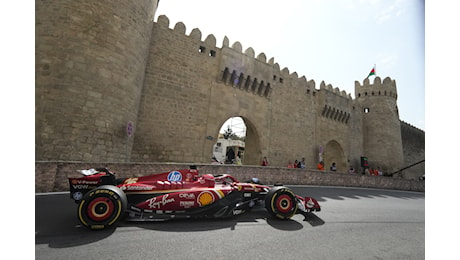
372	72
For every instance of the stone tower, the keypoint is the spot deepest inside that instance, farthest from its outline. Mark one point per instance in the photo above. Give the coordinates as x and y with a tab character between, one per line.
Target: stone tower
90	62
382	142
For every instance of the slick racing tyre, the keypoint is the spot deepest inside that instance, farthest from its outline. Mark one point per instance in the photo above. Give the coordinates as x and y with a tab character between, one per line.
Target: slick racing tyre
101	207
281	202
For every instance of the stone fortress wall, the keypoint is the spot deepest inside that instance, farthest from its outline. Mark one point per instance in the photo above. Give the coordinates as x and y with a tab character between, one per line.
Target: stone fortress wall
111	64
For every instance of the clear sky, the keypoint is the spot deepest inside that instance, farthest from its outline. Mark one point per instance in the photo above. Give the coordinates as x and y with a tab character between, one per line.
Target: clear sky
335	41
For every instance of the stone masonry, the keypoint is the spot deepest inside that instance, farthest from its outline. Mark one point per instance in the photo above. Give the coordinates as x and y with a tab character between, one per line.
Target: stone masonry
102	64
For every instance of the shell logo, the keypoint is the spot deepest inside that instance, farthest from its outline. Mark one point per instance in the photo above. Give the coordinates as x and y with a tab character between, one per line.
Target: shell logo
205	198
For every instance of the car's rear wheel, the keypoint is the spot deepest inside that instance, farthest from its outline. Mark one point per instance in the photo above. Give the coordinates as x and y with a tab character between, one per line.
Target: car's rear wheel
281	202
102	207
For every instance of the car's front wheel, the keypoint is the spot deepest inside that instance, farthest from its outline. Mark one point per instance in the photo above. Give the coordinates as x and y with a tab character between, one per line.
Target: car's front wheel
102	207
281	202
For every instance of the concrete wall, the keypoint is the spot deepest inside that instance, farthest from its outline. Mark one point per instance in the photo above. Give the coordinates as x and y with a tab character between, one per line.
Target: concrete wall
52	176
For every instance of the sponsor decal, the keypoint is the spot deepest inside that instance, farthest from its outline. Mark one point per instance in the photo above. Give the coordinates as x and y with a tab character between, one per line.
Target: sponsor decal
84	182
154	204
77	195
80	186
137	187
205	198
187	204
131	180
174	176
188	196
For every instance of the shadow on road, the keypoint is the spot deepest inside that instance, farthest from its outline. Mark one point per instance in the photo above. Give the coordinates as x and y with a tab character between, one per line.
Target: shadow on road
321	194
313	219
56	223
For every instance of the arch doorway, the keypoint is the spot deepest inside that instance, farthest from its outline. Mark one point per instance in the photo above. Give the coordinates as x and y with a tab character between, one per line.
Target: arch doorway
237	142
333	152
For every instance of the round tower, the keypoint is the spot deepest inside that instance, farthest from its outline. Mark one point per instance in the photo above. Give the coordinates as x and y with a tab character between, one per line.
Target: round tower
90	59
382	143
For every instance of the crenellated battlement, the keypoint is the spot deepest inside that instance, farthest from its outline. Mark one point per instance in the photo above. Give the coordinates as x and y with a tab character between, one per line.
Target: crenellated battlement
333	90
406	125
378	88
234	74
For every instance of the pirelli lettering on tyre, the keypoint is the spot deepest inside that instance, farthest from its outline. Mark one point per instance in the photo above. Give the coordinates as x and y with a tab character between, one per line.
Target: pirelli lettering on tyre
105	191
281	202
97	226
102	207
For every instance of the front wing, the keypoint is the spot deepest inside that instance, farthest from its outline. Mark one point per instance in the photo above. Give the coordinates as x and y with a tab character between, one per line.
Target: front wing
307	204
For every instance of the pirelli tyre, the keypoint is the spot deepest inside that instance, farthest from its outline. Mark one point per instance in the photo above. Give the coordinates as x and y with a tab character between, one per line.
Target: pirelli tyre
102	207
281	202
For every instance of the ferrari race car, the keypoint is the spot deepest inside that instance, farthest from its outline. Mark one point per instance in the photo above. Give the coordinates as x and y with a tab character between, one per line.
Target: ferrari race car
103	199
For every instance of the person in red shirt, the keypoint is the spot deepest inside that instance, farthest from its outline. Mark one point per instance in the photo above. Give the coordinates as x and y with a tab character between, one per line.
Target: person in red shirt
320	166
265	162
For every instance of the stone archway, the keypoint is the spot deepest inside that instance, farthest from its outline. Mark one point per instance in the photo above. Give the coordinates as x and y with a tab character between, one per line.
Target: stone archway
333	152
252	151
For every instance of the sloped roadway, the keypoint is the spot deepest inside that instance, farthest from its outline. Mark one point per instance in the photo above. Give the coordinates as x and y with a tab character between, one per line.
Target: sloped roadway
353	224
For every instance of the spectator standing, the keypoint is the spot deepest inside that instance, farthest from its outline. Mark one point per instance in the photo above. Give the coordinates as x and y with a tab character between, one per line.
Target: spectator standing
351	170
265	162
302	164
333	167
320	166
366	171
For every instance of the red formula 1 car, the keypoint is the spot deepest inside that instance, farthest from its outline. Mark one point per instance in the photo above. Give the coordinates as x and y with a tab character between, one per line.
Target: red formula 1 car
103	200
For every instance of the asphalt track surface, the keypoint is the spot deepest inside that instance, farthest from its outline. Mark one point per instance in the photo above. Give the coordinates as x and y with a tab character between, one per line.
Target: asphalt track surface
353	224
